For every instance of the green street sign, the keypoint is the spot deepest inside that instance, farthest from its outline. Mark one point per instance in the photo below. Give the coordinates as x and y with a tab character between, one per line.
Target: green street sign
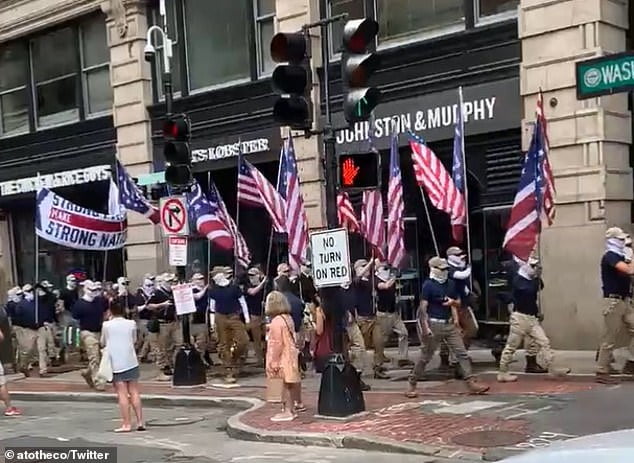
151	179
605	75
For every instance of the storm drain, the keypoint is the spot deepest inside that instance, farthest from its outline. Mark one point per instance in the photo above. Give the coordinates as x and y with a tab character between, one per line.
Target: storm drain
177	421
489	438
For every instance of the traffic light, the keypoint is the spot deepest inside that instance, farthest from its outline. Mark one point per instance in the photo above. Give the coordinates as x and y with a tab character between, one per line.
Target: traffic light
292	81
359	171
176	132
357	65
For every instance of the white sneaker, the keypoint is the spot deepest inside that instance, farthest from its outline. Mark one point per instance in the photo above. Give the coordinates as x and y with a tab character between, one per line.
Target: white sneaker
506	377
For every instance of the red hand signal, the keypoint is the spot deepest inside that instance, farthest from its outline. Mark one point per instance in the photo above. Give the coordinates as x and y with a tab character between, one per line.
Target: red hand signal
349	172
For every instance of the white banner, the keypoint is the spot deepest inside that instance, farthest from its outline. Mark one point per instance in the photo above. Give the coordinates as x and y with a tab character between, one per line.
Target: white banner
65	223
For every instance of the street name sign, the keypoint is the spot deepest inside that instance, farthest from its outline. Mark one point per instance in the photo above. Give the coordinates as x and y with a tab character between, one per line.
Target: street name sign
330	256
605	75
174	216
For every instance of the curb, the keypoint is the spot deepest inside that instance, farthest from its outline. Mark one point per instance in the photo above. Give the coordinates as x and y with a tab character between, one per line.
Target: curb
238	430
241	403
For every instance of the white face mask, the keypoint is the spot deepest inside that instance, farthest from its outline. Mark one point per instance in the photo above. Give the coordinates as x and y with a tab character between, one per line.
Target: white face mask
15	298
41	292
457	261
383	274
29	296
440	275
615	245
89	296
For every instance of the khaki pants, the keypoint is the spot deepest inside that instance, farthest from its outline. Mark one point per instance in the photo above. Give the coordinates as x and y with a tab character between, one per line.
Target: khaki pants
256	327
618	315
143	338
200	337
391	323
372	338
526	328
166	343
27	343
90	341
232	340
357	346
441	333
469	330
45	346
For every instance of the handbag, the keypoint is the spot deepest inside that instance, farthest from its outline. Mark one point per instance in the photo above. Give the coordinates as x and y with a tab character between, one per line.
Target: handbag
105	366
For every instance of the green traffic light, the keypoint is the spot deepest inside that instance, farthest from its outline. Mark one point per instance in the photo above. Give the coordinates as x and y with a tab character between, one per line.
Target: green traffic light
361	102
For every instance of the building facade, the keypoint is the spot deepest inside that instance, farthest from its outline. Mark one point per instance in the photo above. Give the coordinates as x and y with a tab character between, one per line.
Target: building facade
66	123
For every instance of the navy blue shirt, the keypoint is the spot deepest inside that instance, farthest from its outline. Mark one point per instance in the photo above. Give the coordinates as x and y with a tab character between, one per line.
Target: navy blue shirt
201	306
435	294
10	307
614	282
254	302
69	297
363	298
89	314
297	309
227	299
46	309
143	299
25	315
525	294
160	296
386	299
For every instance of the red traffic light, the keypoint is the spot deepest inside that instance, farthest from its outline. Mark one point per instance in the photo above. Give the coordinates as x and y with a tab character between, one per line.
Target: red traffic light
288	47
359	170
358	34
176	128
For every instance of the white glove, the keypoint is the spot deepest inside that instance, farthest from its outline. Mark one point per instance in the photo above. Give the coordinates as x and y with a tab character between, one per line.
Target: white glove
245	309
629	254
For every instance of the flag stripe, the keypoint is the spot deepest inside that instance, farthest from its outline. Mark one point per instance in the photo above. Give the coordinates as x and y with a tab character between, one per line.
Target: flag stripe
241	250
296	223
395	209
372	225
205	215
345	212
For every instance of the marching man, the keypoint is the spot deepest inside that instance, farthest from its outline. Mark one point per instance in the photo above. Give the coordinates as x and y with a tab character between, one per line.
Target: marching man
525	322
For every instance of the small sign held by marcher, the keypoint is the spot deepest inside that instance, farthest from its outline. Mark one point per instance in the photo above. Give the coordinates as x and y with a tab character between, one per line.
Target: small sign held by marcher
184	299
330	257
177	246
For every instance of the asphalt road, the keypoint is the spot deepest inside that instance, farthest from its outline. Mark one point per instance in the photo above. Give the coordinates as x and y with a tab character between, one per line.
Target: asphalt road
174	434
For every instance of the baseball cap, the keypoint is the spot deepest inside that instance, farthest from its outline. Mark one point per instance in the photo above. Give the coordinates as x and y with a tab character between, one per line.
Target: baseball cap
27	288
46	284
283	267
455	251
90	285
198	276
615	232
438	262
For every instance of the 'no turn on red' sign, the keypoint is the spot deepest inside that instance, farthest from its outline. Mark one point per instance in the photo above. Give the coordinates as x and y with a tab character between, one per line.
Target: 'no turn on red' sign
330	258
174	216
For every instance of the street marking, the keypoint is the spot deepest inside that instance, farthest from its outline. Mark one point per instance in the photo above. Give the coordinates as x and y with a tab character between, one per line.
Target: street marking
469	407
545	439
528	412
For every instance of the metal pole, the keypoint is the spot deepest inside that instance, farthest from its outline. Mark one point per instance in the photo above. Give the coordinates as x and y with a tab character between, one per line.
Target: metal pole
431	227
466	181
235	245
37	265
272	235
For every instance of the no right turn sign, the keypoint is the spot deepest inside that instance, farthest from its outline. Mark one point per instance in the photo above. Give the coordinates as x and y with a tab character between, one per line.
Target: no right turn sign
330	258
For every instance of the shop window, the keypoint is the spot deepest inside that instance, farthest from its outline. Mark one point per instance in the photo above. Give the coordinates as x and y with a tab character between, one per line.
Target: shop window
95	57
399	19
487	8
355	10
14	104
55	69
173	33
264	31
217	36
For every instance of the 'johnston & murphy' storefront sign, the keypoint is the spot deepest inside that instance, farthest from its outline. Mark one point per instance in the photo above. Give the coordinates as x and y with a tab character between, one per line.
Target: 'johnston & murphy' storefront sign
488	108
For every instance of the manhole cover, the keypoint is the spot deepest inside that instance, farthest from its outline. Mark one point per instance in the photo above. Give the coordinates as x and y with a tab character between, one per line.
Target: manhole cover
489	438
179	421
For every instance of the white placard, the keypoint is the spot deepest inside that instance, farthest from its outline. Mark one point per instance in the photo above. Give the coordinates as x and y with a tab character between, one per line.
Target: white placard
177	246
330	257
184	299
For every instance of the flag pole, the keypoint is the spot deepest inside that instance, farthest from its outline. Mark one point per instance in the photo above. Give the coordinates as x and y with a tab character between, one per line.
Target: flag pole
466	179
235	244
209	241
116	167
37	258
428	215
270	251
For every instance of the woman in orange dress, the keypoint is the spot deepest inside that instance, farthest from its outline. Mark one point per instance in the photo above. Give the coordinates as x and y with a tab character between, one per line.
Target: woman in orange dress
282	355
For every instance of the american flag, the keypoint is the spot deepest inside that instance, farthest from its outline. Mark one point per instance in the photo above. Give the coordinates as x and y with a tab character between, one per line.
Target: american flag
395	209
548	211
255	190
131	197
432	175
296	223
458	174
282	180
525	223
372	225
206	216
241	250
345	212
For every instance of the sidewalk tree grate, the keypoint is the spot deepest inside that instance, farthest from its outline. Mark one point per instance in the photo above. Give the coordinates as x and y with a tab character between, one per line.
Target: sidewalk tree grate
479	439
178	421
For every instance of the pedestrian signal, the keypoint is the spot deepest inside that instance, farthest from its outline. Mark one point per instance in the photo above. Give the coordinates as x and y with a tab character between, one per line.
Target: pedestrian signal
359	171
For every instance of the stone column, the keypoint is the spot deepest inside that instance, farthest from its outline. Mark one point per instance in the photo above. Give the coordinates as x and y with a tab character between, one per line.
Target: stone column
590	145
130	76
291	15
